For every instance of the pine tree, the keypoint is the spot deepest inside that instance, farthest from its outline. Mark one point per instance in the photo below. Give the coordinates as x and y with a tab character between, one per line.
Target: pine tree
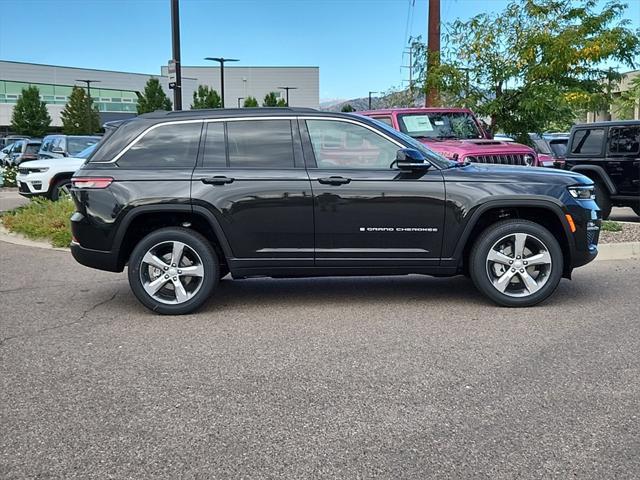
80	116
30	116
282	103
153	98
348	108
270	100
250	102
206	97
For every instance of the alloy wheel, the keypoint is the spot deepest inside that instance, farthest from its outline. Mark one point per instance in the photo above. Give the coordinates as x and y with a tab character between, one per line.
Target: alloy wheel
518	265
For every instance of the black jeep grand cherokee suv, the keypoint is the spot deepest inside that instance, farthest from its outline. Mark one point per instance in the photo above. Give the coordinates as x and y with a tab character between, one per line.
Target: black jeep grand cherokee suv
183	198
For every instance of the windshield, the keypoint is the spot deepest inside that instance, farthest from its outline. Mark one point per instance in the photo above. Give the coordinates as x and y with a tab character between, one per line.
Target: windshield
559	147
440	125
433	157
77	144
87	151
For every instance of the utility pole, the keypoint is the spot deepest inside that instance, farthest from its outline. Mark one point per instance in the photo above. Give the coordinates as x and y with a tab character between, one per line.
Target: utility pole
433	49
89	82
221	61
370	99
286	89
175	42
410	66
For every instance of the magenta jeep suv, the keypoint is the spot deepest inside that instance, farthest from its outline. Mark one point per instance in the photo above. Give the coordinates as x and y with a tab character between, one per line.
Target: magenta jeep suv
455	133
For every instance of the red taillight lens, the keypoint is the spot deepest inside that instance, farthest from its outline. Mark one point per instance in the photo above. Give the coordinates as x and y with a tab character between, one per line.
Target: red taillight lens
91	182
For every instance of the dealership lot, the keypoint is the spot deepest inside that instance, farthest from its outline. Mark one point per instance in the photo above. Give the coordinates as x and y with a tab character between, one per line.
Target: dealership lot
395	377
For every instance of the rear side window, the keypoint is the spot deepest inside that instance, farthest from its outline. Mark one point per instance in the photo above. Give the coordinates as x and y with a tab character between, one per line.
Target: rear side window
624	140
166	146
385	120
260	144
588	141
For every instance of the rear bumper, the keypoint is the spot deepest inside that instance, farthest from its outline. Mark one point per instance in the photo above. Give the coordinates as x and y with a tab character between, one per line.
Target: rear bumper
95	258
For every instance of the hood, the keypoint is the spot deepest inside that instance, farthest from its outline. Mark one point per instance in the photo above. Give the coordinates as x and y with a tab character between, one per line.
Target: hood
477	172
479	146
63	163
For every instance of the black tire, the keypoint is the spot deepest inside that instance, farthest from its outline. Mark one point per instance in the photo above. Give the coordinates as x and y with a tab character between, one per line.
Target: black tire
481	271
603	200
58	189
197	244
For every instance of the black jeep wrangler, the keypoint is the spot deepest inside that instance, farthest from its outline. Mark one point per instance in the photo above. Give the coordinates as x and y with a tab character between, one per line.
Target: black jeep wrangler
184	198
609	154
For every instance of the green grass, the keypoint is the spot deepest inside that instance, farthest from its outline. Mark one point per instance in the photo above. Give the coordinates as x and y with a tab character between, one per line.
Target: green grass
611	226
42	219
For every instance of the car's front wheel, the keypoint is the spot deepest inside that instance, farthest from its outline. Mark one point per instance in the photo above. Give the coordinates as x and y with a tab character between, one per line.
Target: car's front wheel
61	189
516	263
173	271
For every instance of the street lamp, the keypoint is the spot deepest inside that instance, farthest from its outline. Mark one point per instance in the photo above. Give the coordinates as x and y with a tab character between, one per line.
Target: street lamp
240	98
221	61
286	89
370	99
89	82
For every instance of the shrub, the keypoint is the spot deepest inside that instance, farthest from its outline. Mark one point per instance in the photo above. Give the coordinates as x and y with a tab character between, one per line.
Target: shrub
42	219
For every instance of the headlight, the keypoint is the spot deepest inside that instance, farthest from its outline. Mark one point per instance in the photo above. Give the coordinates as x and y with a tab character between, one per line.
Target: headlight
582	192
37	170
529	160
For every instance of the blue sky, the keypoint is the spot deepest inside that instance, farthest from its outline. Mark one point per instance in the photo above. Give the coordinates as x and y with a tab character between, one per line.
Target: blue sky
356	43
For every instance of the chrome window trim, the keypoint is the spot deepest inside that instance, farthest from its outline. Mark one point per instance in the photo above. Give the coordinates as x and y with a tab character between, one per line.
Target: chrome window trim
240	119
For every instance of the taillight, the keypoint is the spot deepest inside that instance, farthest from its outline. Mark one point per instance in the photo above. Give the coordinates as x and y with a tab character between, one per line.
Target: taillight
91	182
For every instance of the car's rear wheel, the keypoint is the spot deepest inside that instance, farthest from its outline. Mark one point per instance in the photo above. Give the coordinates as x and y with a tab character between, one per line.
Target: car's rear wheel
61	189
516	263
173	271
603	200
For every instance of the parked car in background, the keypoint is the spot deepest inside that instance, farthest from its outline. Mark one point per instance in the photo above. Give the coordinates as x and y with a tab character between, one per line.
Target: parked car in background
56	146
50	177
4	155
9	139
22	151
551	148
608	153
456	134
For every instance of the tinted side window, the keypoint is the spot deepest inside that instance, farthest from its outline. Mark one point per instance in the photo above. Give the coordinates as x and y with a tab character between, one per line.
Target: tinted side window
345	145
166	146
624	140
260	143
214	153
588	141
386	120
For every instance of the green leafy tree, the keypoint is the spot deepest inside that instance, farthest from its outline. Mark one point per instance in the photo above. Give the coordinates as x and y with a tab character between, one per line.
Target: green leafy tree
206	97
347	108
270	100
153	98
537	63
30	115
628	101
250	102
80	116
281	103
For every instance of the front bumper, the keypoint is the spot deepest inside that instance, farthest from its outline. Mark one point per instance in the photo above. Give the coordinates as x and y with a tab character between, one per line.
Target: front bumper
588	223
30	185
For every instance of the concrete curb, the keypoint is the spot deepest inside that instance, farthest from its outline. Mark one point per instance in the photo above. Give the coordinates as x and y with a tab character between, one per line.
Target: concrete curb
17	239
606	251
618	251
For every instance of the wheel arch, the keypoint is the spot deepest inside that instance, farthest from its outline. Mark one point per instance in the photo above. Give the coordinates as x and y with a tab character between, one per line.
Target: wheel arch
597	174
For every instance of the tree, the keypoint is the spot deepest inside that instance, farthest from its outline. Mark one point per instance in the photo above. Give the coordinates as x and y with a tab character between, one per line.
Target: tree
282	103
347	108
250	102
30	116
537	63
270	100
206	97
629	100
153	98
80	116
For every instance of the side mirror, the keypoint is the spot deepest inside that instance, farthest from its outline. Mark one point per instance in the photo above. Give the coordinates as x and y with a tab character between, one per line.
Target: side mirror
411	159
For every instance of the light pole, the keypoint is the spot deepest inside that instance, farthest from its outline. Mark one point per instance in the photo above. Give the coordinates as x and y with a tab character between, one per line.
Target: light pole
370	99
175	43
286	89
89	82
221	61
240	98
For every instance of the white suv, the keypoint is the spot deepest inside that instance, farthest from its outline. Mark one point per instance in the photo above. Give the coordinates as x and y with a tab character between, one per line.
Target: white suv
50	177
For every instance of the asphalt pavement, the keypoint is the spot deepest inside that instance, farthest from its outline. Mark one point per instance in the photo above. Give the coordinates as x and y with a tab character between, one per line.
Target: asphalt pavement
394	377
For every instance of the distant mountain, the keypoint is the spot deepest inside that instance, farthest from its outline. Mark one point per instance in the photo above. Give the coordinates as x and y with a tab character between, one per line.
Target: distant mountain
401	98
